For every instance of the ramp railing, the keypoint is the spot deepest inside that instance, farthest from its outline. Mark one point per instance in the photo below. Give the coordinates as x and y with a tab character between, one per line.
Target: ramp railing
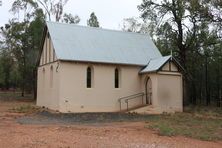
126	99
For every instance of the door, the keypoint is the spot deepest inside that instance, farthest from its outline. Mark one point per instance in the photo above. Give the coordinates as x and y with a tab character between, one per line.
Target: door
148	90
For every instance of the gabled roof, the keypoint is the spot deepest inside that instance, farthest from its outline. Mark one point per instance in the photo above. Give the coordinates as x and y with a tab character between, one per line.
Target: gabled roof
77	43
155	64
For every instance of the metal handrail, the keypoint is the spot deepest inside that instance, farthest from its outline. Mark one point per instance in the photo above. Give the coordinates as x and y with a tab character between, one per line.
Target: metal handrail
127	98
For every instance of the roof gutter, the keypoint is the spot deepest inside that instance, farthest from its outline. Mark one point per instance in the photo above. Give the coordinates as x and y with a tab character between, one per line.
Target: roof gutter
98	62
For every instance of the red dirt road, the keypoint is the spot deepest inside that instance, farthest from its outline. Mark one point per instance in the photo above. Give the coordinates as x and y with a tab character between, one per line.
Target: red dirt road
128	134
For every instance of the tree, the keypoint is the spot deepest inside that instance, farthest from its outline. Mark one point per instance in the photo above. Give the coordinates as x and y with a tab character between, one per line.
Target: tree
192	29
35	32
69	18
134	24
52	9
6	66
22	38
22	42
93	21
131	25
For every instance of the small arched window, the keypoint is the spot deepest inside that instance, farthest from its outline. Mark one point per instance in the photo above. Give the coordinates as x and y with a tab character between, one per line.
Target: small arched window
51	77
116	79
43	79
89	77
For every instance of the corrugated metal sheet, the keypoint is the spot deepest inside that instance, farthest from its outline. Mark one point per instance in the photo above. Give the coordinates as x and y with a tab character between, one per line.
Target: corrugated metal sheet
155	64
79	43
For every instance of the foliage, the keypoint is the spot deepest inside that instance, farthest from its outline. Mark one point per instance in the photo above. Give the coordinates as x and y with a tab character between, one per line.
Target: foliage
93	21
52	9
6	67
135	24
69	18
22	43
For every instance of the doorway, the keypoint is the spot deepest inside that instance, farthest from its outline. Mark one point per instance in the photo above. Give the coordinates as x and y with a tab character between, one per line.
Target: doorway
148	90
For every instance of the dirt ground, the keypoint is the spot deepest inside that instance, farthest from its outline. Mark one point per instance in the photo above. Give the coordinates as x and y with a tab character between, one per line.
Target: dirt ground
116	134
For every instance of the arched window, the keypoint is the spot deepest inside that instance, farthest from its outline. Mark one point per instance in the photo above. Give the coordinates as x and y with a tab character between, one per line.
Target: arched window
89	77
46	51
116	79
51	77
43	79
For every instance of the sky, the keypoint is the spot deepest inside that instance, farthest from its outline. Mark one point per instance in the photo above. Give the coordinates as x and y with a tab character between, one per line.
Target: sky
110	13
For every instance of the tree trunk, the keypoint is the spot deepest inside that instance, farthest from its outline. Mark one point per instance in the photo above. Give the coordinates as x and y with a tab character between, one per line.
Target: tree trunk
206	82
194	97
23	76
218	87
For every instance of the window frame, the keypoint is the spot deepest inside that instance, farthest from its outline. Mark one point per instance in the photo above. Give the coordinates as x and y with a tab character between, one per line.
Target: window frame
43	77
89	77
116	78
51	77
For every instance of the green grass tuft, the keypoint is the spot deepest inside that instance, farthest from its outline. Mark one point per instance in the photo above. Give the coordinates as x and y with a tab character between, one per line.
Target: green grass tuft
199	123
25	109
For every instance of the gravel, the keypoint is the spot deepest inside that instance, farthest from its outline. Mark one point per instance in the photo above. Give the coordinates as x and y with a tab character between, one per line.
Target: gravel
46	117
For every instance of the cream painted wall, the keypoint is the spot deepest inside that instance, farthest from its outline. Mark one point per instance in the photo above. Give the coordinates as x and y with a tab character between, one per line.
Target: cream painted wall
167	91
48	92
102	97
170	98
48	53
170	66
174	67
69	93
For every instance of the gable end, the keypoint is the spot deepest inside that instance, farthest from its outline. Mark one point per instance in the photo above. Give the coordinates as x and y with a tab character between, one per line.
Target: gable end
47	52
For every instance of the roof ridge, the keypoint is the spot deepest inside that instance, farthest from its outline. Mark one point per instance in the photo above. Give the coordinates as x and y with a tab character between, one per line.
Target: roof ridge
160	57
102	29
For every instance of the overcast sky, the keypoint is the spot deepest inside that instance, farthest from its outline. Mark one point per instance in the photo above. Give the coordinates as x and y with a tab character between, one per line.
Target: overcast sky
110	13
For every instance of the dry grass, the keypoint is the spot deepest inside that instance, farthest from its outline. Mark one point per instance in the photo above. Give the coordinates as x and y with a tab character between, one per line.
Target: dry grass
203	123
11	95
14	102
26	108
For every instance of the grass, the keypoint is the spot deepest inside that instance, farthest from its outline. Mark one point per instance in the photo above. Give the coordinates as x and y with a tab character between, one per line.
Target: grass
203	123
16	103
26	108
10	95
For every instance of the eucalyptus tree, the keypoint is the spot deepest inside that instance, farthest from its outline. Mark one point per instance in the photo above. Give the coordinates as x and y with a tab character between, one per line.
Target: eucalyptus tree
53	7
22	40
70	19
53	10
93	21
